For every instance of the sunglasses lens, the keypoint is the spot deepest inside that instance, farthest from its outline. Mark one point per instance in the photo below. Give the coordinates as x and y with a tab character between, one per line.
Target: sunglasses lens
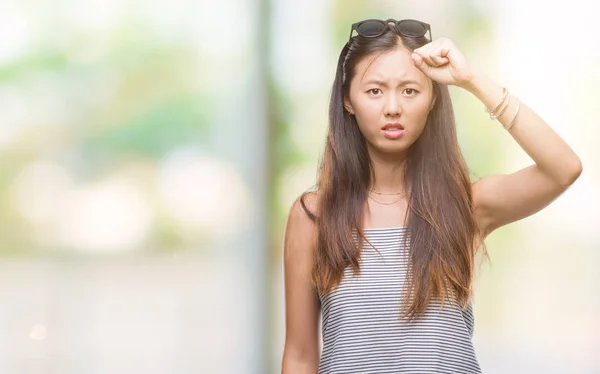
412	28
371	28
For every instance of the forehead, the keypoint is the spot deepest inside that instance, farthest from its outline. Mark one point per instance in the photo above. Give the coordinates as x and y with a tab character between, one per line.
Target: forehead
391	66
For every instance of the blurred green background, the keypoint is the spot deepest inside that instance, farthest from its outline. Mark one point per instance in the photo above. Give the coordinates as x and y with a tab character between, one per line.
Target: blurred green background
150	151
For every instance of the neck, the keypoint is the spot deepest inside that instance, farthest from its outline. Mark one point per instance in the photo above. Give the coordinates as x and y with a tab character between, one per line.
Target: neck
388	172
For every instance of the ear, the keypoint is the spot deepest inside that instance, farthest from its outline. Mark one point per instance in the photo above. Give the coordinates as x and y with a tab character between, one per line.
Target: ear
348	106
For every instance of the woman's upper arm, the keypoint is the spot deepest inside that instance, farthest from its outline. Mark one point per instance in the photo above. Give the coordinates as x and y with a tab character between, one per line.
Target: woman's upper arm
502	199
301	300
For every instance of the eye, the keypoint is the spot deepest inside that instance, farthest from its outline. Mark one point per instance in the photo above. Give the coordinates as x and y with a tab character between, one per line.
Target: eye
374	91
410	91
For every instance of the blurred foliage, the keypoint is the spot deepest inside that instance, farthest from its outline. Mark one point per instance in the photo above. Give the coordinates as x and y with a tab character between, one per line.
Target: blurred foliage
128	97
152	132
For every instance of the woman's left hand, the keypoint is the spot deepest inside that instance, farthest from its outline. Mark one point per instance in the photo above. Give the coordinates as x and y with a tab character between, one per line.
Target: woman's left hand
441	61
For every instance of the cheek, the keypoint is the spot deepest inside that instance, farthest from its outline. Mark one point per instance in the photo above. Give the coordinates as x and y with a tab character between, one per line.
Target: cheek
368	108
417	112
422	114
368	114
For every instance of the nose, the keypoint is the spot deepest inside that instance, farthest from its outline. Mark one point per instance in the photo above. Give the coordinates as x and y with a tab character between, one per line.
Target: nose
392	106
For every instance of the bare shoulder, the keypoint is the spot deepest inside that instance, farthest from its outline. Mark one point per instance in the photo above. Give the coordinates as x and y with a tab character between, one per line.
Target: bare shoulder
300	232
308	201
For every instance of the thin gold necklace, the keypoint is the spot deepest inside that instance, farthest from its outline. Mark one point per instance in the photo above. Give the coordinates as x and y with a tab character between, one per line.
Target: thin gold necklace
384	193
379	202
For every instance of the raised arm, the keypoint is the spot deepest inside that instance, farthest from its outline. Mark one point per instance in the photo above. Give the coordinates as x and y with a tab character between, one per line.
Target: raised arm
301	350
502	199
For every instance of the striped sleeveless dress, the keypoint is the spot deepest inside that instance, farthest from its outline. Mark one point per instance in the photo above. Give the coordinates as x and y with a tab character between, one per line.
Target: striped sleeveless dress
361	327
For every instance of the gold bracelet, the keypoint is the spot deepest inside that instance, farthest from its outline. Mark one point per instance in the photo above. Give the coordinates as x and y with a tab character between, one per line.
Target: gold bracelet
496	116
512	121
495	110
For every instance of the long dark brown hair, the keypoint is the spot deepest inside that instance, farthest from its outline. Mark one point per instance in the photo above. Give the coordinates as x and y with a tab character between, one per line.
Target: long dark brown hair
440	223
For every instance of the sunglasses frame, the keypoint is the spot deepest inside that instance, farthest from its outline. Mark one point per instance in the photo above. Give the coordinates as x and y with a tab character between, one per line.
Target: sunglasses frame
386	23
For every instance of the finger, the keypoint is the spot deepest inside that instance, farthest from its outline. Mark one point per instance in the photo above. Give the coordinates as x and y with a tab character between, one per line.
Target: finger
428	58
420	63
417	59
435	60
430	52
439	61
425	55
444	51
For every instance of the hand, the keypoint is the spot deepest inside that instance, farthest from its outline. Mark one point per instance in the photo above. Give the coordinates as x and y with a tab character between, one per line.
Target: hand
441	61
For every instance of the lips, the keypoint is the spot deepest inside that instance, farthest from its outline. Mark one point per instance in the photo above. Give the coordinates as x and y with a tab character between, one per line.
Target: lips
393	130
393	126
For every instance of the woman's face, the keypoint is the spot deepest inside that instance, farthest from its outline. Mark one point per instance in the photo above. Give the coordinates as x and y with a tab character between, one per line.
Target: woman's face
390	99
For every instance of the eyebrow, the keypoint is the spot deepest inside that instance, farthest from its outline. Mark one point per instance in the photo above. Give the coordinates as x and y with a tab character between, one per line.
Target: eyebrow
382	83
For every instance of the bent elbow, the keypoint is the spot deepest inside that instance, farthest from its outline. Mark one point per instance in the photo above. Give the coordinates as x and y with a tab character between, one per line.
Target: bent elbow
573	173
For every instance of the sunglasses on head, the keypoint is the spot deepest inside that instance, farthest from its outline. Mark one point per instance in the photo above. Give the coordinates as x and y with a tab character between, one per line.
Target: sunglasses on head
372	28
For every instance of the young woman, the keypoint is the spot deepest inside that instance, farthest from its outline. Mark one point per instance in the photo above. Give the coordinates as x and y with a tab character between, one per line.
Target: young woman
384	250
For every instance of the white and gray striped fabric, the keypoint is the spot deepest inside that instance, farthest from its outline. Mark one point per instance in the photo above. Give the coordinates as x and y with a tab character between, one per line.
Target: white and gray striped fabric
361	326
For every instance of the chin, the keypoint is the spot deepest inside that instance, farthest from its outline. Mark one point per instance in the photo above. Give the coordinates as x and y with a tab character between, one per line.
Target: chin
397	148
